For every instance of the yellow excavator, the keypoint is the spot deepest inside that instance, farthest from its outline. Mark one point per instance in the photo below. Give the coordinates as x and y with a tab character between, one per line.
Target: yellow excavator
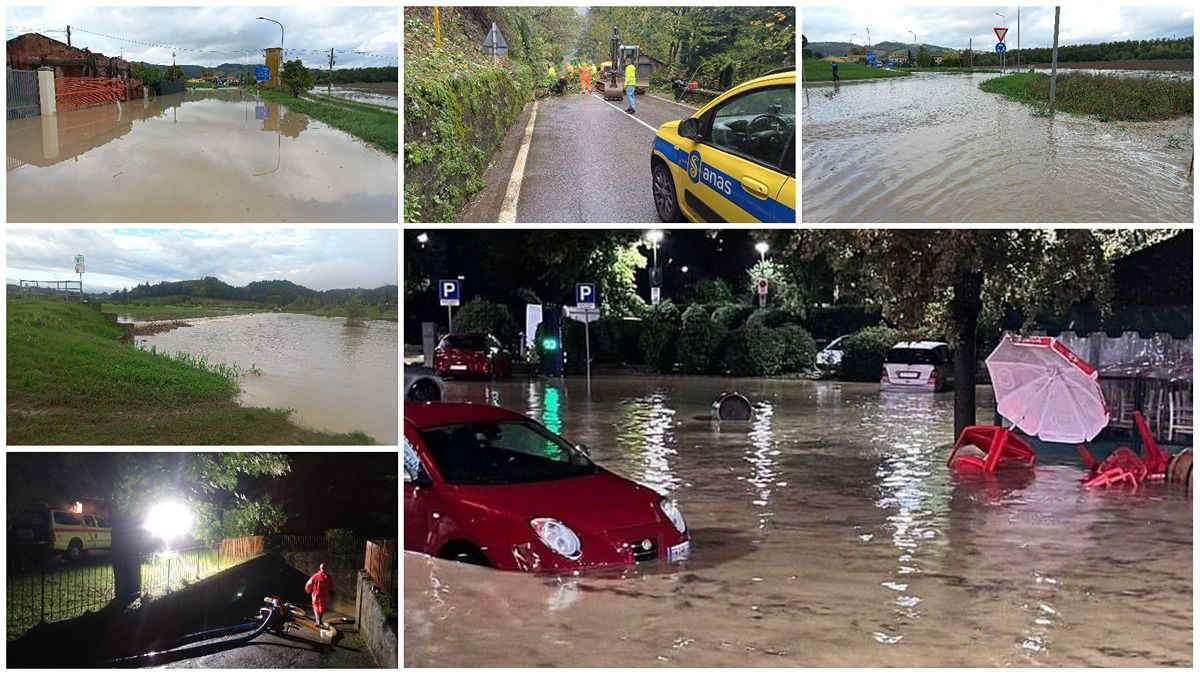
611	81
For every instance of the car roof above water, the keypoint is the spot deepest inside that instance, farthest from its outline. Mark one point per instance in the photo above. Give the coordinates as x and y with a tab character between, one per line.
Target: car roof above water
922	344
438	413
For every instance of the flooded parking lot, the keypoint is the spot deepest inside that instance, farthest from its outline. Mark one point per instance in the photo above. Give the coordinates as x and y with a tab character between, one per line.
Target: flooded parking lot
827	532
197	156
933	147
336	377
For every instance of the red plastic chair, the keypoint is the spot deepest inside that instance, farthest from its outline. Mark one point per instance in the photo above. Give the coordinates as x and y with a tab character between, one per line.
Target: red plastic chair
1124	465
1003	447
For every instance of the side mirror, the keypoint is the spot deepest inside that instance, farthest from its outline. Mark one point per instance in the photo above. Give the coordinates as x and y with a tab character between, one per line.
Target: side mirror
690	128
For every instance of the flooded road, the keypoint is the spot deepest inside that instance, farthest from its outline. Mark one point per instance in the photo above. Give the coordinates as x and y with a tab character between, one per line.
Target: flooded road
933	147
337	378
827	532
198	156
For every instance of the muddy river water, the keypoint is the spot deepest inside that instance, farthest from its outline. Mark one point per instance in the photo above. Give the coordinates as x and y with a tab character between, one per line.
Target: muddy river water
933	147
827	532
198	156
336	377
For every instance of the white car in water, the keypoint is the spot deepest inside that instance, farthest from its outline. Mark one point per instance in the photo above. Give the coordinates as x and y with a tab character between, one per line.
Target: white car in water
829	359
917	366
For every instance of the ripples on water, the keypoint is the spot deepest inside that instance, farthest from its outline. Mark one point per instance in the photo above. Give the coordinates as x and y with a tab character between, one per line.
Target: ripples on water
827	532
933	147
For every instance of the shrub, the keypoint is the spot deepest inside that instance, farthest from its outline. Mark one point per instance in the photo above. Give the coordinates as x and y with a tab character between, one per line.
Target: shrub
799	349
771	317
700	340
754	350
828	323
863	353
296	78
659	332
731	315
485	316
711	290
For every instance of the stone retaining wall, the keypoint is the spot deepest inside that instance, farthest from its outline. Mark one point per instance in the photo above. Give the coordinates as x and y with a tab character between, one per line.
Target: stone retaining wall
377	626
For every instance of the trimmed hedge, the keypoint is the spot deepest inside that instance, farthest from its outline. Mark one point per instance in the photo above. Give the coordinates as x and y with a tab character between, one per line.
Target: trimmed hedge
863	353
759	350
484	316
660	329
700	341
731	315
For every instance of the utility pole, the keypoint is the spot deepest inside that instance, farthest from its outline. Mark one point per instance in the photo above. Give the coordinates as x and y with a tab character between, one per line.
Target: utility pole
1018	38
970	53
1054	60
329	87
68	35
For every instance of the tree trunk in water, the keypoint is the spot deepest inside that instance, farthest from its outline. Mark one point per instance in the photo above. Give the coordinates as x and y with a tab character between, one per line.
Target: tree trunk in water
964	314
126	558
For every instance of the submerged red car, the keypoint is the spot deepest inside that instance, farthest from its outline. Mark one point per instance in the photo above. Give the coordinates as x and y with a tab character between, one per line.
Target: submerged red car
493	487
471	354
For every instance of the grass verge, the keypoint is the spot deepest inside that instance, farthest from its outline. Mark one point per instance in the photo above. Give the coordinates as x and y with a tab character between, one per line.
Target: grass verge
1105	97
70	381
378	126
820	71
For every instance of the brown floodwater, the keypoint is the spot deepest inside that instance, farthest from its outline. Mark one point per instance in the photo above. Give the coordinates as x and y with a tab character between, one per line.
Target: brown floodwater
933	147
336	377
198	156
827	532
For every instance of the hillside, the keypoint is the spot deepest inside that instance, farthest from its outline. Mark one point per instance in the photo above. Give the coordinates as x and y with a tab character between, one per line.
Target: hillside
340	75
843	48
277	292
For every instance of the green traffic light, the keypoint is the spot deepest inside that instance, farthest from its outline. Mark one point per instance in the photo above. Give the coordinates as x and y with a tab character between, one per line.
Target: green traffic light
549	343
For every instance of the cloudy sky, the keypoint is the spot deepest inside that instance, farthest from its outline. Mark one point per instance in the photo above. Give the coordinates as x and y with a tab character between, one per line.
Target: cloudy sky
210	36
951	26
123	258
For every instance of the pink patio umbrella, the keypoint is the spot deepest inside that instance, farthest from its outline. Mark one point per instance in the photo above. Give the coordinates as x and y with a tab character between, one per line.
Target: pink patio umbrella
1046	390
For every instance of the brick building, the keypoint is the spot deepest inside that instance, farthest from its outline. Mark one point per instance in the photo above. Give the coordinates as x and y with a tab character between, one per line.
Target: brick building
34	50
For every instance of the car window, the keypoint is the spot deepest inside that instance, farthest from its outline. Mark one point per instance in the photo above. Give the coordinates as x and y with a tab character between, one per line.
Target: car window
911	356
502	453
64	518
758	124
476	342
412	464
89	521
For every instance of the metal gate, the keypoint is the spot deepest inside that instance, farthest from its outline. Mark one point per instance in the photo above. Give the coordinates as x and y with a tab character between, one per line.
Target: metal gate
23	98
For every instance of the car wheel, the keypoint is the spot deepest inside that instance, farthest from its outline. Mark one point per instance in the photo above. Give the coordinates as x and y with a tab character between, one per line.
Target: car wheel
423	391
665	198
75	550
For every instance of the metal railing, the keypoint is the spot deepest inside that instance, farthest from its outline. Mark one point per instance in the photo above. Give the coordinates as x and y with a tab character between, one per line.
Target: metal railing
71	288
22	95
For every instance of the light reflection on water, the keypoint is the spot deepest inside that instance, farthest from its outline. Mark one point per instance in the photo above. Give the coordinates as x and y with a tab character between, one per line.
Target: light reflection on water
828	519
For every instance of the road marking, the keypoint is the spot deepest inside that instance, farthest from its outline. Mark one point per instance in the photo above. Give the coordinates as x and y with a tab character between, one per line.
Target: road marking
633	117
508	210
667	100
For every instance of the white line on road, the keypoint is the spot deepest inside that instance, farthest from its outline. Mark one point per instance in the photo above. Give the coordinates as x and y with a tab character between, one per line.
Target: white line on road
633	117
508	210
667	100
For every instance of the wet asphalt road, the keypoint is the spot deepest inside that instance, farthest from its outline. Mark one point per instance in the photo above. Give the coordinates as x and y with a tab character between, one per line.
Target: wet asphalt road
588	162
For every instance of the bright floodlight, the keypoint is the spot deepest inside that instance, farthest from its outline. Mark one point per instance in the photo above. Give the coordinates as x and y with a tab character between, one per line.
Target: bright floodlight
654	236
761	247
683	269
168	520
422	238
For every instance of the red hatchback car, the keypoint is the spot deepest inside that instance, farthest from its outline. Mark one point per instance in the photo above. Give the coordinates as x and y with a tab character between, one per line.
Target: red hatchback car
493	487
471	354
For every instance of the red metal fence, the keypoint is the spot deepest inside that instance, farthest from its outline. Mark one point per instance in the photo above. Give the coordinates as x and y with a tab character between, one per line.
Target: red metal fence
381	562
229	550
71	93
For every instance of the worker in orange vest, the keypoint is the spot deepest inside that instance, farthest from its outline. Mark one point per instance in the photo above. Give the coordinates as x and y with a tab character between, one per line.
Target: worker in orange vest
585	78
320	587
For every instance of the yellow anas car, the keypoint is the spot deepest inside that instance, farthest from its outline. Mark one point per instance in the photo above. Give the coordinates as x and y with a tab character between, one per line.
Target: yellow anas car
734	160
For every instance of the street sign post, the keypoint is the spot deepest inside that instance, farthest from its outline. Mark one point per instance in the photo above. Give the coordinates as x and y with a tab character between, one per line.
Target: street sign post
262	73
761	287
1000	33
1000	49
585	310
449	291
79	271
494	44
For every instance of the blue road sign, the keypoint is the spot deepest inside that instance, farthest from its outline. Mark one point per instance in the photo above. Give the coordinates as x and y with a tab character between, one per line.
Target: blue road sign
585	295
1000	48
262	73
448	292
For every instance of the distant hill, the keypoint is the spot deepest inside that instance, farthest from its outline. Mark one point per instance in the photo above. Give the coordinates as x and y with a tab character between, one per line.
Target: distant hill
885	47
276	292
340	75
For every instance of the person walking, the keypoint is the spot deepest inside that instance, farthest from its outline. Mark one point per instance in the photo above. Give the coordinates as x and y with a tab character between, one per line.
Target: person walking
630	84
585	78
319	587
833	65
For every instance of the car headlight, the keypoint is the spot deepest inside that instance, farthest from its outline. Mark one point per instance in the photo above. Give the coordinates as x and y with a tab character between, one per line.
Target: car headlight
671	510
557	537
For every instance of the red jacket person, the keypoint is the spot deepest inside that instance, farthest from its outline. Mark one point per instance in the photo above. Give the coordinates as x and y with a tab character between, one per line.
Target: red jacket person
320	587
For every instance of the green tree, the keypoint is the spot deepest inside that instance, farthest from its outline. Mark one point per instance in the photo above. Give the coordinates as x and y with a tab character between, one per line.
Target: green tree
356	311
296	78
174	74
924	57
912	270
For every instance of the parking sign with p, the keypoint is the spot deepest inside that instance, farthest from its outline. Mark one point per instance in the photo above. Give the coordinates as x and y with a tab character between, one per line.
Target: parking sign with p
448	292
585	296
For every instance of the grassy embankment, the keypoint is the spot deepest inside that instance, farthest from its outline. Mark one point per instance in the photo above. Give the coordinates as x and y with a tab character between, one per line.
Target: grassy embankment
70	380
820	71
374	124
1107	98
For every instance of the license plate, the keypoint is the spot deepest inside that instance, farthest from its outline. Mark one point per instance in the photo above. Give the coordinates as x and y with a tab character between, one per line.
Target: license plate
458	367
679	551
908	374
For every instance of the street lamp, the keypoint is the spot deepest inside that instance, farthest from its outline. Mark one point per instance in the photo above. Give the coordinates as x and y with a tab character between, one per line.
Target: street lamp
168	520
683	269
655	236
762	248
280	35
423	238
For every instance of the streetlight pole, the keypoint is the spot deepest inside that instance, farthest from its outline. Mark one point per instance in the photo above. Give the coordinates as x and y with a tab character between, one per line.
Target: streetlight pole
654	236
910	65
280	36
1002	53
